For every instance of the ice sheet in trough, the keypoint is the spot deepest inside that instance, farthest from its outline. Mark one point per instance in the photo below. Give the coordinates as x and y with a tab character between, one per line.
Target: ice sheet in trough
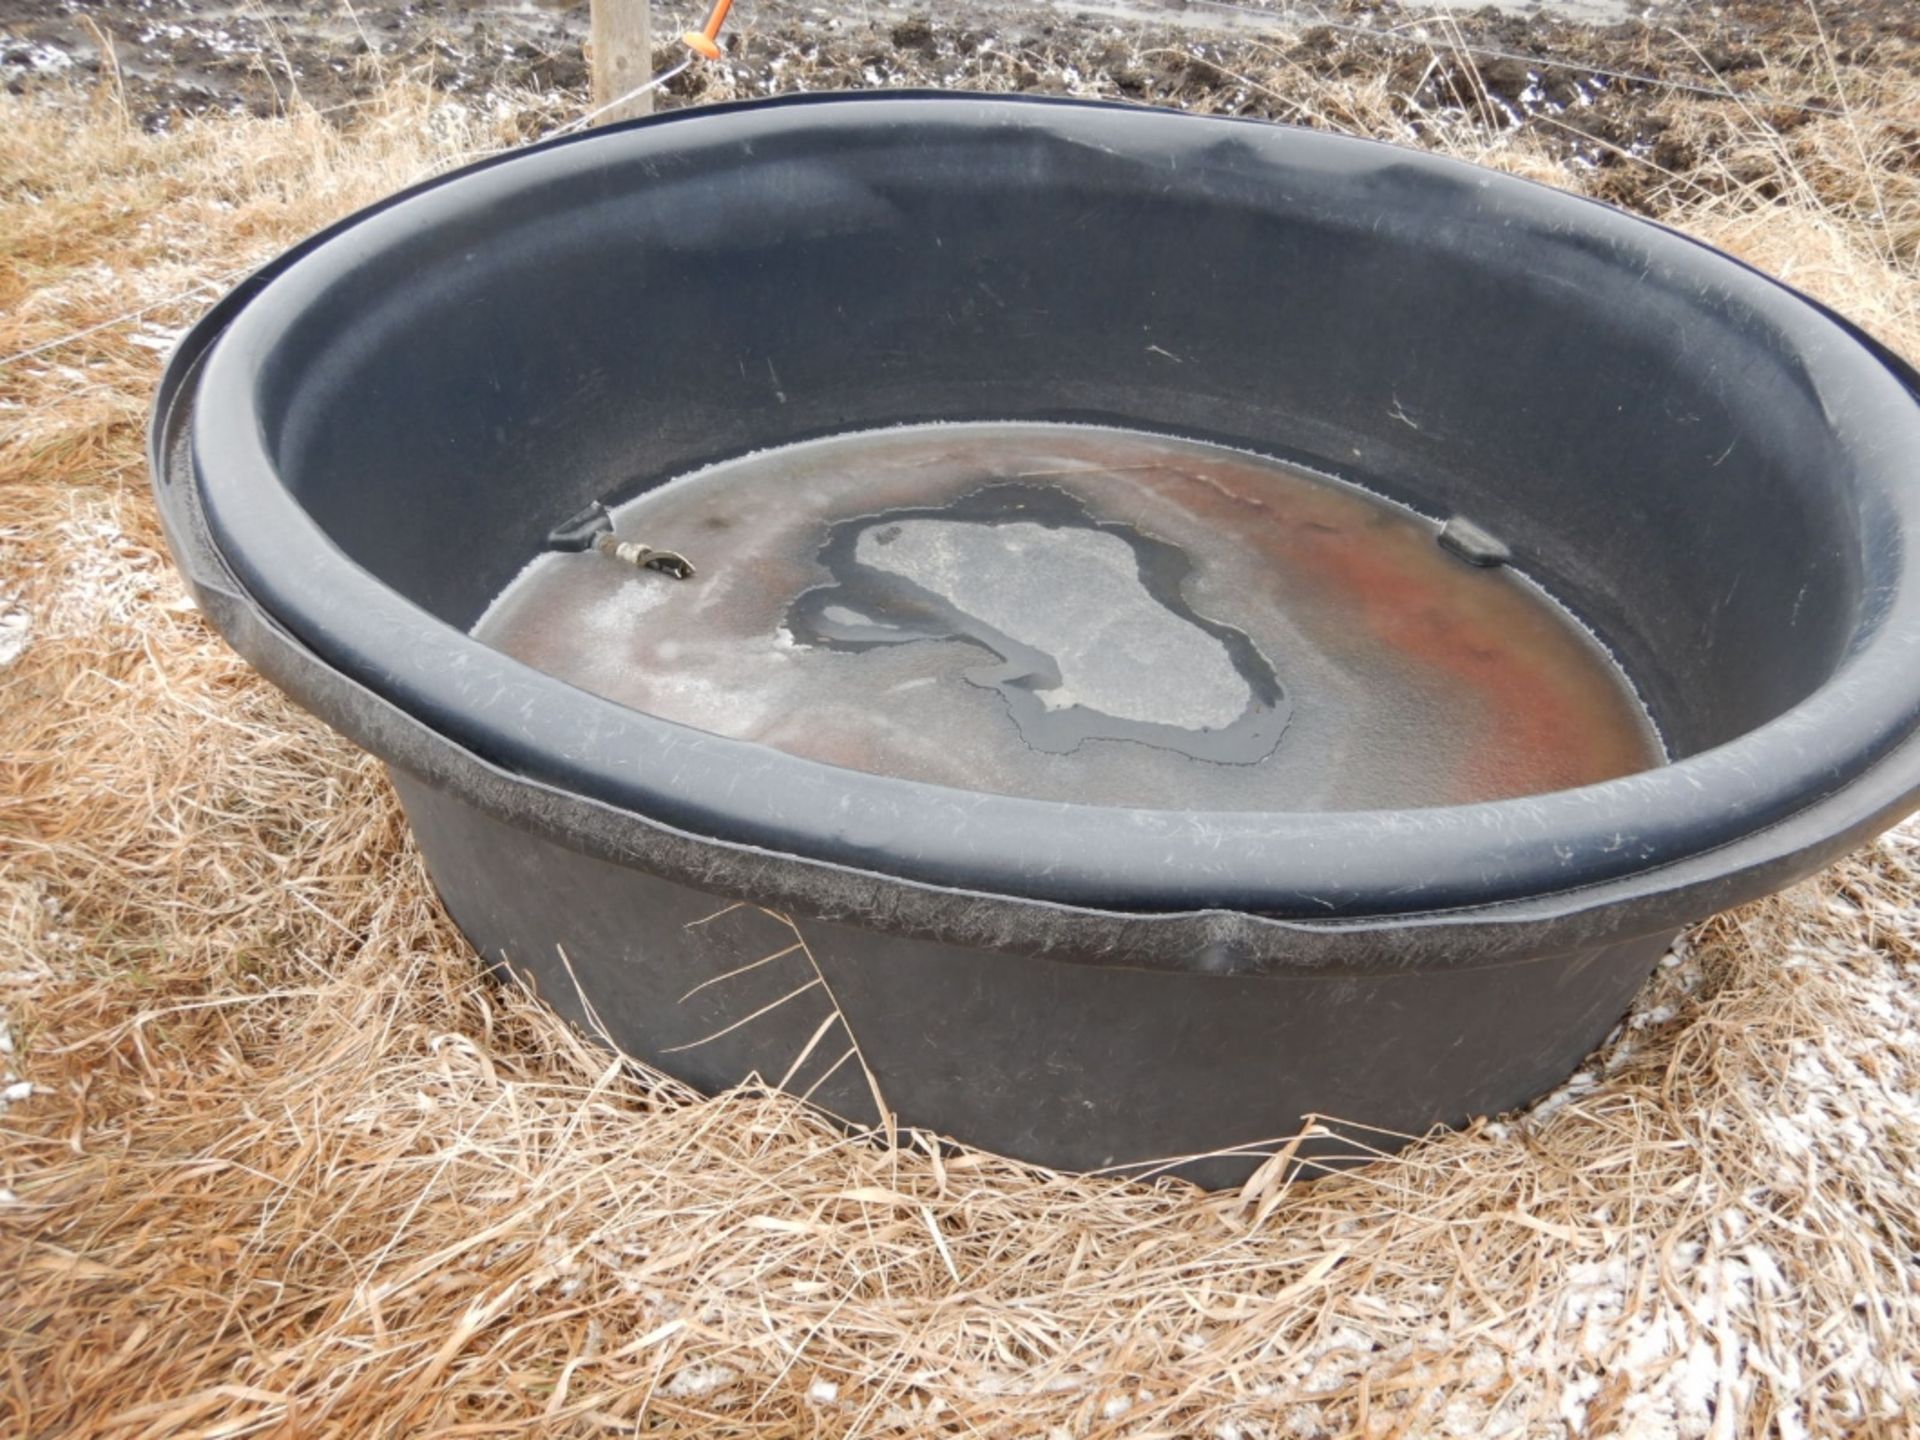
1077	613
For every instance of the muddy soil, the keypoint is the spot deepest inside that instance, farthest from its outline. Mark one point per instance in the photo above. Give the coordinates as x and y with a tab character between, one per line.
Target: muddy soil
1600	94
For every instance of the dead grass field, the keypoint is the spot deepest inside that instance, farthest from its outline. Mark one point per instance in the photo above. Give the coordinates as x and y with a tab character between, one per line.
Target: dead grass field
273	1160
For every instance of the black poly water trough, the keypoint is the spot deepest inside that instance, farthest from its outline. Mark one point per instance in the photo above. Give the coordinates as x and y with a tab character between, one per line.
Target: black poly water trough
358	449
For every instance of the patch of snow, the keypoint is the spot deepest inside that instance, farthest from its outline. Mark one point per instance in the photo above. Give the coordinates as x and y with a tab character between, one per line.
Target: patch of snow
34	56
700	1381
16	630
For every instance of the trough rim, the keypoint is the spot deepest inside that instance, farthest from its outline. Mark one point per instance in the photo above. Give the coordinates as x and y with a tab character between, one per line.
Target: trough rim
1254	878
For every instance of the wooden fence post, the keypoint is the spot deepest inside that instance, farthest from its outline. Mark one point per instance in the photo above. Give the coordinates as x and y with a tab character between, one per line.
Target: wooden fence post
622	40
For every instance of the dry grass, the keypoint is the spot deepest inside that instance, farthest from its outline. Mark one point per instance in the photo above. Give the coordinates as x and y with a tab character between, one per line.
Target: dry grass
288	1167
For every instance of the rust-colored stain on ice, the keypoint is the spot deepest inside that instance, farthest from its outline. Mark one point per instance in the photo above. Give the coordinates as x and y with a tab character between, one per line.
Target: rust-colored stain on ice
1542	713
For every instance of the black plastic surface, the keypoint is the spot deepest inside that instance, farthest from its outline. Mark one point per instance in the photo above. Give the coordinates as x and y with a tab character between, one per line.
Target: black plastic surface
359	448
1580	361
1080	1067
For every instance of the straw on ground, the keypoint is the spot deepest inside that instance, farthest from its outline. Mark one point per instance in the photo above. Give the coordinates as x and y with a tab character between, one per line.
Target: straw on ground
275	1160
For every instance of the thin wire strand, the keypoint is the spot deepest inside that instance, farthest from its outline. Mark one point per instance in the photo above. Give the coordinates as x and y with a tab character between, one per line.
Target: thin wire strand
1288	18
645	88
213	283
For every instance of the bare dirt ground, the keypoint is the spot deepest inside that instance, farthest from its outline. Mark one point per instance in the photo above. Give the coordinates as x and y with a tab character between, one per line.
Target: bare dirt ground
1597	94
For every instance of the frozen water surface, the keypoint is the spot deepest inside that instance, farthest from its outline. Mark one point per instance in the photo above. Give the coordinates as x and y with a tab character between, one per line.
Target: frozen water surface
1083	614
